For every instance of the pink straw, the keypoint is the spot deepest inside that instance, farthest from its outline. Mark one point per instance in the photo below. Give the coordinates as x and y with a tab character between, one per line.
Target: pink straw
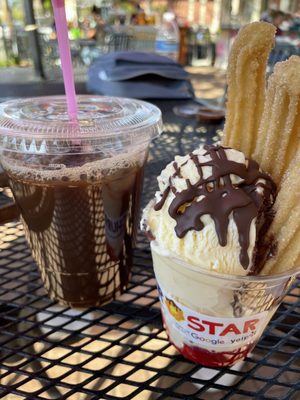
65	55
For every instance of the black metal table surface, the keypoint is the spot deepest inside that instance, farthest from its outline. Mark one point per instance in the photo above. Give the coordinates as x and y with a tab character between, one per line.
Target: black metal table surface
120	350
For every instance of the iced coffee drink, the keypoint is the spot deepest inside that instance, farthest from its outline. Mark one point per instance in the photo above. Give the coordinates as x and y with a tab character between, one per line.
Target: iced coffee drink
77	187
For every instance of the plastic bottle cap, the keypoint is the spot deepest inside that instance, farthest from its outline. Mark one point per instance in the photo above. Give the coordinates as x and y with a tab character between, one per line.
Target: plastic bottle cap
169	16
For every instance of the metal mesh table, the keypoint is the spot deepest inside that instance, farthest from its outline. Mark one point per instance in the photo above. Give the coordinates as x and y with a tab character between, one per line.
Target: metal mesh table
121	350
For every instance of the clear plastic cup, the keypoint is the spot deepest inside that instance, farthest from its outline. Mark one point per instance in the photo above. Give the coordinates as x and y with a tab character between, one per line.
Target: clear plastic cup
77	186
215	319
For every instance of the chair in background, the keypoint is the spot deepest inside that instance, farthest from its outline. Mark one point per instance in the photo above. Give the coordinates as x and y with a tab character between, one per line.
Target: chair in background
281	52
142	38
135	38
8	209
118	41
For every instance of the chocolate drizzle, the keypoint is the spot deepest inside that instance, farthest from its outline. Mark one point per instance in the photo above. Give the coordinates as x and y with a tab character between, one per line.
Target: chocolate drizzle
218	197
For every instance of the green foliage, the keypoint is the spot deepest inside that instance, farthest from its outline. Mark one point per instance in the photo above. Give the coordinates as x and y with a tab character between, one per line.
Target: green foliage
47	5
17	12
159	8
8	63
128	6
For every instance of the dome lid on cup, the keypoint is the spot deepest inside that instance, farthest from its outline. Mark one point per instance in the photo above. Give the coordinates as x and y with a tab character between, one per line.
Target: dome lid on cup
98	117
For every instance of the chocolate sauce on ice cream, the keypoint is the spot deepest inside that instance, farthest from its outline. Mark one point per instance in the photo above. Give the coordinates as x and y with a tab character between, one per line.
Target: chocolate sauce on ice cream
216	195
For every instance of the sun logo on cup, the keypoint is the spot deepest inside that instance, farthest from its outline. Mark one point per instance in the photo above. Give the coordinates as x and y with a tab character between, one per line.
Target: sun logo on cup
174	310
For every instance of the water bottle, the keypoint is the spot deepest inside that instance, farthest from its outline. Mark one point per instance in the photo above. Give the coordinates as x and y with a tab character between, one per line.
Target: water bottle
167	38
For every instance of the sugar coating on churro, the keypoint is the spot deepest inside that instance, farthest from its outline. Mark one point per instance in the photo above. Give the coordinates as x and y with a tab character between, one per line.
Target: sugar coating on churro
285	228
279	131
278	153
246	85
265	126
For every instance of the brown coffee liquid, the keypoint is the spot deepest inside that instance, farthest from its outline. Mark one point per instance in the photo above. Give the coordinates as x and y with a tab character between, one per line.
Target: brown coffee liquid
81	232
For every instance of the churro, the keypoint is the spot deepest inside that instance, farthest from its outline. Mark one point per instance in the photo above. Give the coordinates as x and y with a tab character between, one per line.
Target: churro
278	153
265	126
246	85
279	131
285	228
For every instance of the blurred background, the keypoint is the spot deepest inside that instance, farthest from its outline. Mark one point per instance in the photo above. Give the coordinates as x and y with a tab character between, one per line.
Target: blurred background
28	48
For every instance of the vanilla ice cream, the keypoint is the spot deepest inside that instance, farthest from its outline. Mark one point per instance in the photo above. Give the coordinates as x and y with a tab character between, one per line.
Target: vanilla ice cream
210	210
